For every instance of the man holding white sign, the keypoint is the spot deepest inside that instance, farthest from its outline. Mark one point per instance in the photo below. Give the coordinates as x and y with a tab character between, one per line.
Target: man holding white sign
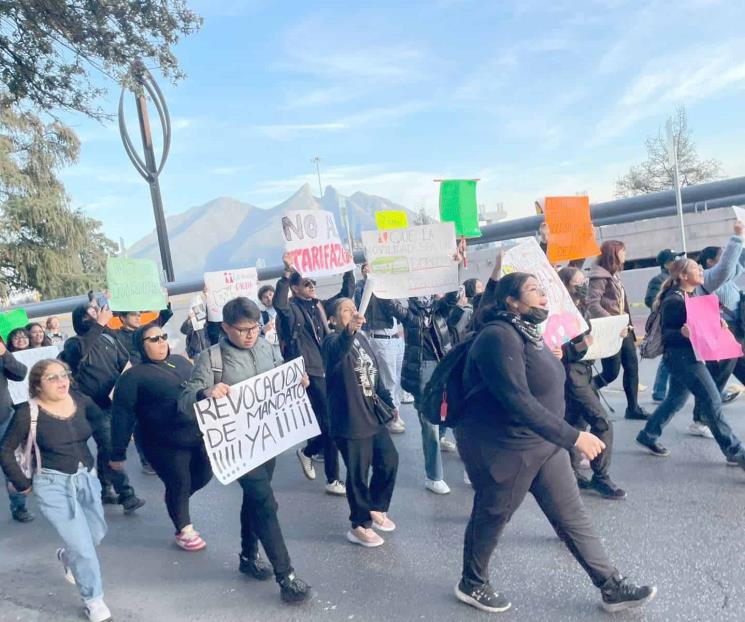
241	355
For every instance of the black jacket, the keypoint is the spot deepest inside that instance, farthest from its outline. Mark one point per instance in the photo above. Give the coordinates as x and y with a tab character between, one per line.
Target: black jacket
196	340
673	316
11	370
126	335
377	315
522	402
353	384
296	328
412	317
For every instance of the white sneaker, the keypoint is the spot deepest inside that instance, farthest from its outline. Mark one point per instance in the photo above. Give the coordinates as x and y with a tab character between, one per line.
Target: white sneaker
97	611
407	398
364	537
699	429
62	557
336	488
439	487
307	465
447	445
466	479
396	426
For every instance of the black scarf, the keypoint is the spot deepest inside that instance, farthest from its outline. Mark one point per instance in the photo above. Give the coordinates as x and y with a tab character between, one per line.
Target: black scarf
528	330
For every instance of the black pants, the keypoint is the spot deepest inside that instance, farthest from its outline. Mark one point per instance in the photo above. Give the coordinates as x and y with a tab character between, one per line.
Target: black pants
583	408
259	522
183	470
323	443
359	455
627	359
501	478
106	475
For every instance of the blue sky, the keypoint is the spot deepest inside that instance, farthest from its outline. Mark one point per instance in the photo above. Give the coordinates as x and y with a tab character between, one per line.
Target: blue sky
533	97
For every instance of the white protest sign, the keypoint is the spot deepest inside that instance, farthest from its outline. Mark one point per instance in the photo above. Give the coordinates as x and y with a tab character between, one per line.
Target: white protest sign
311	237
564	321
416	261
739	213
260	418
19	390
199	309
226	285
606	336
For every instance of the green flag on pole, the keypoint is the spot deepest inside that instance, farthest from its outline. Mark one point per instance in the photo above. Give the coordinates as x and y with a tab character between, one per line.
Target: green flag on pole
458	205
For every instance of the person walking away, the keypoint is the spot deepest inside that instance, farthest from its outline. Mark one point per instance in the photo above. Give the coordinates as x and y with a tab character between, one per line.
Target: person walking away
240	355
513	439
360	407
147	395
63	481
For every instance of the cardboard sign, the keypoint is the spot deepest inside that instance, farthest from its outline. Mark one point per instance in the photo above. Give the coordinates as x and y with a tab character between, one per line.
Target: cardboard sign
391	219
458	205
260	418
606	336
412	262
10	320
565	321
226	285
710	341
19	390
570	231
312	238
134	285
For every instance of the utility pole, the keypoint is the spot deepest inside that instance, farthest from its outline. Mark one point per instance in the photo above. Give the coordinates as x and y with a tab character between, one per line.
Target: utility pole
672	154
317	161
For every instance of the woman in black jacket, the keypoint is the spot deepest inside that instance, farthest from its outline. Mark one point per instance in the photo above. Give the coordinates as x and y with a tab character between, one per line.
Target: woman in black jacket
583	405
358	420
513	439
147	394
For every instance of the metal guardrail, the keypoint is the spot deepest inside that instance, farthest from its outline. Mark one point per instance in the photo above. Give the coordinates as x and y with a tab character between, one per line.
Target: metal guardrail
711	195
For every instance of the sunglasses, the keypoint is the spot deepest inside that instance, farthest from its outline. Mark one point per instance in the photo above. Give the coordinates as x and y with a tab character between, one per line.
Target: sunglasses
309	283
157	338
57	377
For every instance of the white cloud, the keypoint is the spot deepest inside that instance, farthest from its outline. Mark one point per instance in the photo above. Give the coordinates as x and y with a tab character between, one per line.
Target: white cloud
230	170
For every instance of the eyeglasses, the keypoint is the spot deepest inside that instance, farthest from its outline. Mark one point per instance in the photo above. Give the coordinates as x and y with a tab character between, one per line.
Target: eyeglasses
157	338
245	332
20	337
57	377
309	283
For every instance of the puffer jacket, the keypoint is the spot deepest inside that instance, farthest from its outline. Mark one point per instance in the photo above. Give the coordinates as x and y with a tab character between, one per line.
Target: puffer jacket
606	295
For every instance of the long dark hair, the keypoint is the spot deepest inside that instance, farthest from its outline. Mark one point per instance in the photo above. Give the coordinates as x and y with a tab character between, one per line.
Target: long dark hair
12	334
44	342
609	256
677	270
566	275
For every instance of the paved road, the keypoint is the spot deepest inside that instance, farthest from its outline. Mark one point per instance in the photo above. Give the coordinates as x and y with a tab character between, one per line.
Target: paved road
681	527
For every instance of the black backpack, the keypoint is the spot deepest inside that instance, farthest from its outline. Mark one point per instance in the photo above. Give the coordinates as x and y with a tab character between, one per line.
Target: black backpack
444	396
99	369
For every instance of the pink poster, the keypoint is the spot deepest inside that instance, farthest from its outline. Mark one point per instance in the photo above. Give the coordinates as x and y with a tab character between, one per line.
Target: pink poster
710	341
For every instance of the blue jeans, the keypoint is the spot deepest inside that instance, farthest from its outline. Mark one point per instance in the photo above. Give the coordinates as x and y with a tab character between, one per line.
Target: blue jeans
72	503
17	500
430	432
687	375
659	390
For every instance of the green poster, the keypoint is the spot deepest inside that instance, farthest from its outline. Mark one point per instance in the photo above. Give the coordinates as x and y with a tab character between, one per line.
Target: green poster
17	318
458	205
134	285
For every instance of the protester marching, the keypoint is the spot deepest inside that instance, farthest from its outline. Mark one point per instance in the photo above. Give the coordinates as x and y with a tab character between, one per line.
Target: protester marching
507	362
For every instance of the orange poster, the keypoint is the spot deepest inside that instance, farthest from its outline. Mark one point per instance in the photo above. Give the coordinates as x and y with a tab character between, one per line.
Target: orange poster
570	232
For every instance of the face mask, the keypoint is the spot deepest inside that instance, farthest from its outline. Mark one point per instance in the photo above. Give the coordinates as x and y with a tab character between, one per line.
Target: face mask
581	290
536	315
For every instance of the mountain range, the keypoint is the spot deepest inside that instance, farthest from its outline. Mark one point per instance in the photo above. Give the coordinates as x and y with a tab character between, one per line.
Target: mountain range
226	233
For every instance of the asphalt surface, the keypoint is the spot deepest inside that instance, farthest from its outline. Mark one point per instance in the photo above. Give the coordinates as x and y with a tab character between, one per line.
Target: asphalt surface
680	528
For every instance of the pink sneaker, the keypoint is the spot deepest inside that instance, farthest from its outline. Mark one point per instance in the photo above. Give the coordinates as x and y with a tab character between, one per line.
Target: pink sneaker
364	537
381	521
190	540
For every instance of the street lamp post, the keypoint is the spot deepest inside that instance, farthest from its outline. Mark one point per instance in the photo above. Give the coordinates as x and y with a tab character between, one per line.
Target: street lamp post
317	161
148	168
672	154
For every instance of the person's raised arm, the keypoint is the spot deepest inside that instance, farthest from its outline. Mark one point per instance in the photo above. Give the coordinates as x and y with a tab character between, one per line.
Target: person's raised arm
725	268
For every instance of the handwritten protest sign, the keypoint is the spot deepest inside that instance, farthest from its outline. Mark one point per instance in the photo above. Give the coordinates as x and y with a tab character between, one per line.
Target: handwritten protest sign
260	418
570	232
19	390
458	205
311	237
391	219
564	322
226	285
412	262
134	285
710	341
606	336
17	318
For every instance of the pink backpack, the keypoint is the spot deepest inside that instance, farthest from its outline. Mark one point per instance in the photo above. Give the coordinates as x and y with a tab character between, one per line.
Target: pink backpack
29	457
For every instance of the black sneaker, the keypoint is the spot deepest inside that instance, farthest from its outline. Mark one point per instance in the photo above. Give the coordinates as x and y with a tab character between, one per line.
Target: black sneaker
637	414
22	515
619	594
255	566
654	448
583	483
482	597
294	590
607	489
108	496
131	503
